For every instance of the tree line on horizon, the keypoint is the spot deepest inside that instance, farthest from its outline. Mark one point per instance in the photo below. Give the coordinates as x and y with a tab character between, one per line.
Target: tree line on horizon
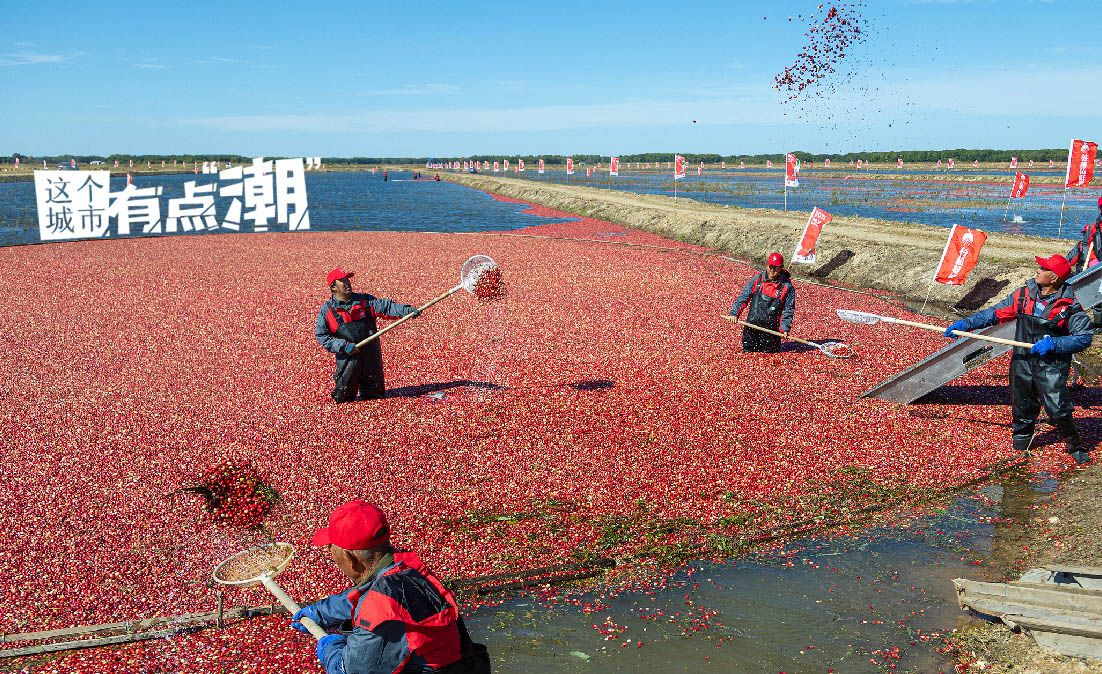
908	156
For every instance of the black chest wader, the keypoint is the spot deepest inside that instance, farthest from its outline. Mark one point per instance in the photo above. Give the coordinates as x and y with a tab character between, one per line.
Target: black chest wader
765	311
360	372
1037	381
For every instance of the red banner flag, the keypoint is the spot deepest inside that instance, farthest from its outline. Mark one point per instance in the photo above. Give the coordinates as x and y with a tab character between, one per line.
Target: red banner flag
569	166
791	170
1013	162
1080	163
520	165
129	179
742	164
540	169
17	162
939	163
504	164
899	162
826	163
768	163
588	171
678	167
72	163
805	250
723	164
950	162
700	169
962	252
1030	163
1021	186
614	166
497	167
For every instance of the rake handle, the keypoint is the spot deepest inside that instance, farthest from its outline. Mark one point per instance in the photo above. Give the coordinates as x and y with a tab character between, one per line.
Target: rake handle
403	319
292	606
958	333
772	332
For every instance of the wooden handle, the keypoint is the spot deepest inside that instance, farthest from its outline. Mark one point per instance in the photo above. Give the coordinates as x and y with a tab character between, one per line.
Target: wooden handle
772	332
403	319
958	333
292	606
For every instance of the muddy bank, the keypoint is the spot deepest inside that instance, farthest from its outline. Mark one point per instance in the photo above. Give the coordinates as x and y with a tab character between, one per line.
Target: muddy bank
892	256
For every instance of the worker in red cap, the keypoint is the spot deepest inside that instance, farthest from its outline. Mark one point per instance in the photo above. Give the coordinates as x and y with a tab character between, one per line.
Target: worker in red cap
772	300
1048	317
345	320
397	616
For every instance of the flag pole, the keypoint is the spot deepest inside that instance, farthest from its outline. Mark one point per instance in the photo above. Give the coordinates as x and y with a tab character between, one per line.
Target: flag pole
1060	228
1007	211
929	289
1067	180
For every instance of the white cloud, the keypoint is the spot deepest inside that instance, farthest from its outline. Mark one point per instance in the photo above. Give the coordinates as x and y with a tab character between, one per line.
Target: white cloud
149	64
27	58
1028	89
414	90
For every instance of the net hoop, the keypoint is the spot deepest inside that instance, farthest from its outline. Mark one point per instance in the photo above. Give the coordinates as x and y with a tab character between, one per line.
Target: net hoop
249	566
473	269
837	350
862	317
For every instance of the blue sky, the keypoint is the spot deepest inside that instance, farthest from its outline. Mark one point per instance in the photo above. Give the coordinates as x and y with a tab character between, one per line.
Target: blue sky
450	79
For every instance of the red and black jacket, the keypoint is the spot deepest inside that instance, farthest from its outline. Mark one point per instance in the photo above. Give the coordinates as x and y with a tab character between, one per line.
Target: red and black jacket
1089	245
1061	318
401	620
351	322
772	303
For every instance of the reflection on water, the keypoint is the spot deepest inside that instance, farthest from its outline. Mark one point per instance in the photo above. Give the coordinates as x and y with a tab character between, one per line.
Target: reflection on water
884	597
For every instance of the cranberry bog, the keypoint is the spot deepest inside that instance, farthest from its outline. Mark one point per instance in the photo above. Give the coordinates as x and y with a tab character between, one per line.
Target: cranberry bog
601	409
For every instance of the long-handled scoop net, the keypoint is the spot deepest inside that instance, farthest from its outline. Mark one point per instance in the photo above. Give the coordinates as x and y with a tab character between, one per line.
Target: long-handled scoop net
479	276
260	565
832	349
872	319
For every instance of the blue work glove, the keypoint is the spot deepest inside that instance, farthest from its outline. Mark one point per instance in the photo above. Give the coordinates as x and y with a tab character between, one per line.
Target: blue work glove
958	325
328	646
348	348
415	313
1043	347
310	612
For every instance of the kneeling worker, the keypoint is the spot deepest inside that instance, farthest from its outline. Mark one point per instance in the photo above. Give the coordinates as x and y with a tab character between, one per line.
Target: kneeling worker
1050	318
772	299
345	320
397	617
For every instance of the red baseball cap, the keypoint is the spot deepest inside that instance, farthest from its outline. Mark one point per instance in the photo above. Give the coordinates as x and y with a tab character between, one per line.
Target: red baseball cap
1057	264
356	525
337	275
775	260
